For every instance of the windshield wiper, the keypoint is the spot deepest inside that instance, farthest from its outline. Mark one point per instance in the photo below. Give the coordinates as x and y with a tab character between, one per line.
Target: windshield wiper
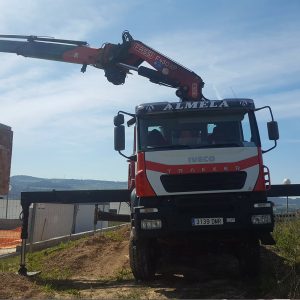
203	146
231	144
175	147
169	147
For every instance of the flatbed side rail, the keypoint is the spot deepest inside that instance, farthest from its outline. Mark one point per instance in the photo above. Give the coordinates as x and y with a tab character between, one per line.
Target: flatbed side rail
282	190
102	196
63	197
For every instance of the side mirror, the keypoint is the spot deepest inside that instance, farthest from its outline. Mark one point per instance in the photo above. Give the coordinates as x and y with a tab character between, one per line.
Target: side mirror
273	131
119	137
119	120
131	121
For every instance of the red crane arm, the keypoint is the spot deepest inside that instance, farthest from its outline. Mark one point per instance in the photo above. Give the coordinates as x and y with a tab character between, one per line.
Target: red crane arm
132	53
115	59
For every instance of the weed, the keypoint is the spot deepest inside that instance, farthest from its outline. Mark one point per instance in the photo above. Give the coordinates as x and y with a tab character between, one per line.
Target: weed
48	289
115	236
9	264
284	270
287	236
133	294
73	292
124	274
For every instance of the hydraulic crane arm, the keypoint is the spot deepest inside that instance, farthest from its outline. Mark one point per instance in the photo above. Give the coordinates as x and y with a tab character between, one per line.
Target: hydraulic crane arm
115	59
50	49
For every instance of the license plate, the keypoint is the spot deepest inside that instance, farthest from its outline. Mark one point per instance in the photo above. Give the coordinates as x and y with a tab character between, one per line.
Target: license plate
207	221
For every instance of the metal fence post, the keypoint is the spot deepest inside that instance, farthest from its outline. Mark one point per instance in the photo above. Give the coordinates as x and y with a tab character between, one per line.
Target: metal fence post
32	224
95	217
73	228
6	207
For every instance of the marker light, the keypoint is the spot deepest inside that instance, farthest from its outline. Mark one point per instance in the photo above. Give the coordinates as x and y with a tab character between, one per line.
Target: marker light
148	210
261	205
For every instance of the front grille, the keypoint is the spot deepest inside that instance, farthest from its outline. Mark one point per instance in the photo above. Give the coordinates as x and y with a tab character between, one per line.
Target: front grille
203	182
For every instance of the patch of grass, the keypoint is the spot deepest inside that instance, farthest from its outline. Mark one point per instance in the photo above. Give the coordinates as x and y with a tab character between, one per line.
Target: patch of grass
63	246
115	223
121	275
52	279
287	236
56	274
114	235
137	293
48	289
124	274
281	267
10	264
73	292
36	260
51	288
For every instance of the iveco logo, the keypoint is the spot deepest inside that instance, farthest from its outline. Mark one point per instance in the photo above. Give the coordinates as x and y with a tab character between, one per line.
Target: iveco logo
195	159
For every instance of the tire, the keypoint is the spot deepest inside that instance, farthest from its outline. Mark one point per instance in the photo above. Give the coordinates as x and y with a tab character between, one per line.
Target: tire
249	258
142	259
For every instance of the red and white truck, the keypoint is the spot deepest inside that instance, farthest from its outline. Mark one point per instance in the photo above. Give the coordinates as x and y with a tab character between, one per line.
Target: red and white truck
196	172
197	179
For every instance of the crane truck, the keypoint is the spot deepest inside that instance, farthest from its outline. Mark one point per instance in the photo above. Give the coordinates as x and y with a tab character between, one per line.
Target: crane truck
196	175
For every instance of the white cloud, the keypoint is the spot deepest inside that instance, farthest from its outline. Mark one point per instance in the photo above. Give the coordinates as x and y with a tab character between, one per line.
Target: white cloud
253	64
74	20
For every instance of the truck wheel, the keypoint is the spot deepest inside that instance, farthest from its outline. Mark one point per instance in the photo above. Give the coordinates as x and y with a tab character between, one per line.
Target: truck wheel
249	258
142	259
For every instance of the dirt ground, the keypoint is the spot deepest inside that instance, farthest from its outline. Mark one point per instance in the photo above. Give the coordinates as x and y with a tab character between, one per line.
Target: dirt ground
98	267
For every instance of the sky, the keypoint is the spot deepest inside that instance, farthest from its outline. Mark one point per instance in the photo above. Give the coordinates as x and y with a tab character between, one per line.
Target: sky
63	119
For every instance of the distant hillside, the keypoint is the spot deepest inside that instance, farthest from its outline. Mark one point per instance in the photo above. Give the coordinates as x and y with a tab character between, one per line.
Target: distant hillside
22	183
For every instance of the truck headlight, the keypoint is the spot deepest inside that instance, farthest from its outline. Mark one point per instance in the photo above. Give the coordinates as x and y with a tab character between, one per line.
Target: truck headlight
261	219
150	224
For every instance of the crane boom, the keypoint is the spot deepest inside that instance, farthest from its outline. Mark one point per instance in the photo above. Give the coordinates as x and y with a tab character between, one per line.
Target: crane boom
115	59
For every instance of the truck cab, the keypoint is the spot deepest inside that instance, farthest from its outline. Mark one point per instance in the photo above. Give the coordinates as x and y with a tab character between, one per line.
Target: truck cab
197	176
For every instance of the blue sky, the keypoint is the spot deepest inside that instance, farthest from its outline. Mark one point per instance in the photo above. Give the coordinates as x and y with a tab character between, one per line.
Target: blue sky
62	119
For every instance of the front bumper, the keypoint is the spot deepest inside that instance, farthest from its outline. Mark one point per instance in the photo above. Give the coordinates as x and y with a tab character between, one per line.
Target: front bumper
230	216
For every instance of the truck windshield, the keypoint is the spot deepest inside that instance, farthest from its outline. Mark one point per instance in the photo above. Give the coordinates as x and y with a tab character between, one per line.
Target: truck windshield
197	130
